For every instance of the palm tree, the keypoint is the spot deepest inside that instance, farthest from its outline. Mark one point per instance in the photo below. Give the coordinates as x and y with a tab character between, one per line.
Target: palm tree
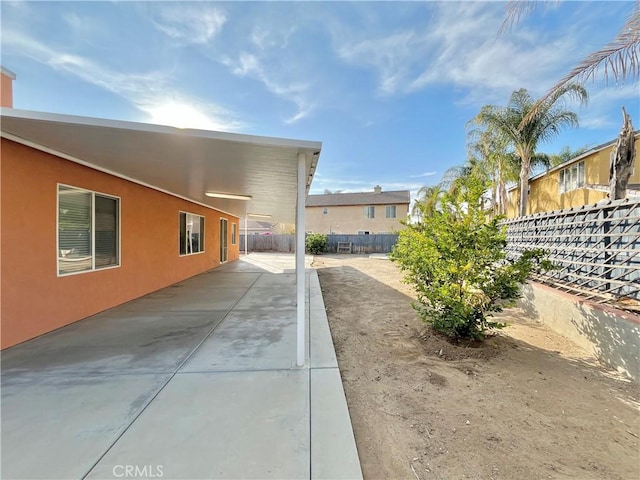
489	148
550	117
426	201
453	178
619	58
565	154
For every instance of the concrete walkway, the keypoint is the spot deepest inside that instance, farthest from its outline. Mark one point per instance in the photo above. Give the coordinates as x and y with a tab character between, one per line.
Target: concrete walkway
195	381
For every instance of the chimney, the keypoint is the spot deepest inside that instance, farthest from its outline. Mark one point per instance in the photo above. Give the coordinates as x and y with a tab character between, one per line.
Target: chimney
6	87
377	189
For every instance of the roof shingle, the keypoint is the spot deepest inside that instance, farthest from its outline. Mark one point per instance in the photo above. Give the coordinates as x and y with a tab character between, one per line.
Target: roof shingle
363	198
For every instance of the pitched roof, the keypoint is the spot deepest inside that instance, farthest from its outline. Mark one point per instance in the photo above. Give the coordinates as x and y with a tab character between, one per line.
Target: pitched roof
258	225
364	198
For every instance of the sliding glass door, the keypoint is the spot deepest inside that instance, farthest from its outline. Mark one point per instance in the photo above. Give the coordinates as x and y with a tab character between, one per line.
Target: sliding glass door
223	240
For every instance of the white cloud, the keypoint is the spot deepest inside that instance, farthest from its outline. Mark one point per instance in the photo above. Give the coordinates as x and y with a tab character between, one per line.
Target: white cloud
425	174
459	46
265	38
604	110
249	65
299	115
185	115
150	92
191	23
83	25
390	56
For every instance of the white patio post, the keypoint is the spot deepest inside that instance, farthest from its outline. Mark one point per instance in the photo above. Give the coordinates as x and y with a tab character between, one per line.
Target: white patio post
300	274
246	234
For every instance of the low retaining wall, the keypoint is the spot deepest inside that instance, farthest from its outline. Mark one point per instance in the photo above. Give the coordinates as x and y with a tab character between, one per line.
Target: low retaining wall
611	334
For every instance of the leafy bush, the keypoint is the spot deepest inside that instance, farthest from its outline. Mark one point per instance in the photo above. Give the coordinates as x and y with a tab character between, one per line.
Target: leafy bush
456	261
316	243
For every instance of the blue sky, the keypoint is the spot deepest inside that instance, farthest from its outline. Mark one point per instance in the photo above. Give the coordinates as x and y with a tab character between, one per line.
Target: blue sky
387	87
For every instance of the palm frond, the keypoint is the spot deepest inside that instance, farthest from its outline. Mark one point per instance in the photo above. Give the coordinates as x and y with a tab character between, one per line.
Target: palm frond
540	160
573	91
515	10
620	59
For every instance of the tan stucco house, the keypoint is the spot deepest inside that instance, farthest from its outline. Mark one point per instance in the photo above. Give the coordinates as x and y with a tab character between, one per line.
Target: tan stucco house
357	213
583	180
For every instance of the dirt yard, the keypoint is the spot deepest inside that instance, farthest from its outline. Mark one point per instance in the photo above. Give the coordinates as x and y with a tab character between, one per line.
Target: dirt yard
528	404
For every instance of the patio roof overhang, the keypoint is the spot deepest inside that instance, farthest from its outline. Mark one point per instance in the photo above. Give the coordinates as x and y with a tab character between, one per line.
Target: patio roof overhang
183	162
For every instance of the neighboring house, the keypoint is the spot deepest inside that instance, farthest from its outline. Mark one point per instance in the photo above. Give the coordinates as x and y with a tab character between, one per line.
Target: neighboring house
97	212
583	180
255	227
357	213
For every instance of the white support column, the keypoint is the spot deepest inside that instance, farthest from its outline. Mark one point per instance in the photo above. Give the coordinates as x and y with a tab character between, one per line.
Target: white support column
246	234
300	273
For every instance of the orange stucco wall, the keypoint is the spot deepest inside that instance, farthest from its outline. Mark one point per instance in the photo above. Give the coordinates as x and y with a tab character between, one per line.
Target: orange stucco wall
34	300
6	91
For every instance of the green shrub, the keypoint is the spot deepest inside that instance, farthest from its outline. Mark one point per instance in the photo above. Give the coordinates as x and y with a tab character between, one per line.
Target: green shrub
316	243
455	259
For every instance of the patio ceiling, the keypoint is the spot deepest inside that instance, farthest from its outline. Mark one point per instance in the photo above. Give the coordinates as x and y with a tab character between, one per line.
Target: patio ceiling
182	162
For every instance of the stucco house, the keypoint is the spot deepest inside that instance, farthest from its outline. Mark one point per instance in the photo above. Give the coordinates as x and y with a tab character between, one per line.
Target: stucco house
583	180
98	212
357	213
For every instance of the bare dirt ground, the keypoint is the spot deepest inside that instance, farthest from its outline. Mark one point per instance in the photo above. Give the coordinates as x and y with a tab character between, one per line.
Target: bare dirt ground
527	404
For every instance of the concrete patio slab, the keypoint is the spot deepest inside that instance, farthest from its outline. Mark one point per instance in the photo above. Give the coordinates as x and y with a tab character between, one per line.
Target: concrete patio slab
224	425
228	279
184	298
282	280
334	454
322	352
276	298
58	427
249	340
117	341
197	380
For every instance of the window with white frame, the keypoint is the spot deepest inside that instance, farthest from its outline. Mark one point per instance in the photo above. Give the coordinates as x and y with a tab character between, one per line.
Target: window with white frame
571	178
191	233
370	211
234	233
88	230
325	211
391	211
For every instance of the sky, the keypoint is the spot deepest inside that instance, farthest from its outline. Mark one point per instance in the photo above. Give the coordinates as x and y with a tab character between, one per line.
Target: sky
387	87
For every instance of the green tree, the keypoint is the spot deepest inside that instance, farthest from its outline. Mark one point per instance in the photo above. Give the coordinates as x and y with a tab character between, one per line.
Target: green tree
565	154
457	263
426	201
490	149
525	137
316	243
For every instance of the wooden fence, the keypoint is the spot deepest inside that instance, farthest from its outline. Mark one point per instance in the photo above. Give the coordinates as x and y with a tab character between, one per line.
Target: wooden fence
382	243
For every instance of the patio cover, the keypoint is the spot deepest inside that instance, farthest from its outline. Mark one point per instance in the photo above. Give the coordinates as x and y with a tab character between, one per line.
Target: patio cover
276	173
183	162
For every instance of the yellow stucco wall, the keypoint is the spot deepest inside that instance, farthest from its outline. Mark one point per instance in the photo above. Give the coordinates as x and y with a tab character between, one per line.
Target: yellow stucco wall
544	193
351	219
